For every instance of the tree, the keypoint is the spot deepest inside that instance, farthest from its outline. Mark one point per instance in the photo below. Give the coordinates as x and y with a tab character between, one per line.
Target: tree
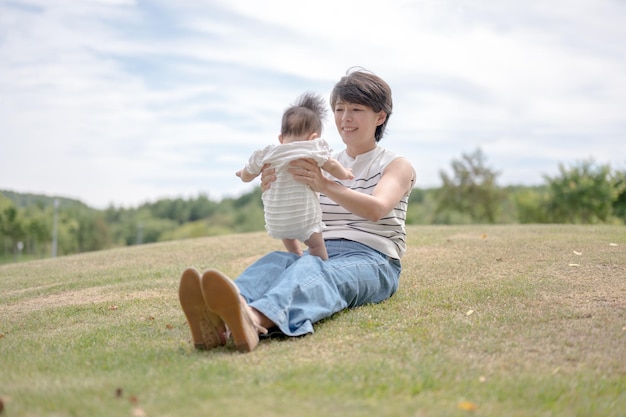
619	205
38	228
472	189
583	193
201	208
530	204
93	233
11	227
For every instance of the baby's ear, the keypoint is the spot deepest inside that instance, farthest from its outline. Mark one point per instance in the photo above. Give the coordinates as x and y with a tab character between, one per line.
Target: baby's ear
314	136
280	138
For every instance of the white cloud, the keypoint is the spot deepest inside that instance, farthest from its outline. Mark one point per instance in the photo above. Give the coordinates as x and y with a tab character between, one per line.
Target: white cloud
123	102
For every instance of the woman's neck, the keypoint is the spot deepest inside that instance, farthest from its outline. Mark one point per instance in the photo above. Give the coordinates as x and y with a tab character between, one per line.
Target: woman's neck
354	151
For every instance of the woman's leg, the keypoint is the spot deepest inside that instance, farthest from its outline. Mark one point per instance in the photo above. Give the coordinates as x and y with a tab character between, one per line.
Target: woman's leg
259	277
296	292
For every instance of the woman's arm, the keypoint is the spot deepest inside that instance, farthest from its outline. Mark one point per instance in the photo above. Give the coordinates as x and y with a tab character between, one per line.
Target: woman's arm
395	182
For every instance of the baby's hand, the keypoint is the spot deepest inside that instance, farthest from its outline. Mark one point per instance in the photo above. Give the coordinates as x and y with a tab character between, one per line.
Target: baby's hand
350	174
245	175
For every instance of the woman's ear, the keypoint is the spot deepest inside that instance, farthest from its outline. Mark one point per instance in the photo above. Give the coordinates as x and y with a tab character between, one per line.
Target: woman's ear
382	116
280	138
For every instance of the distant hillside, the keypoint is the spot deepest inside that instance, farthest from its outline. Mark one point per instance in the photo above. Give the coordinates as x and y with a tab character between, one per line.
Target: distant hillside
25	200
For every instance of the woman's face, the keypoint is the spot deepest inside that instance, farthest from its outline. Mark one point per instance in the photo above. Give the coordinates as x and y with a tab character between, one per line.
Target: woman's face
356	123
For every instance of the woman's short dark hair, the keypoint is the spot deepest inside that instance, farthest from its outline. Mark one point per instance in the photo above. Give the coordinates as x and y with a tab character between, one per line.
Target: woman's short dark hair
360	86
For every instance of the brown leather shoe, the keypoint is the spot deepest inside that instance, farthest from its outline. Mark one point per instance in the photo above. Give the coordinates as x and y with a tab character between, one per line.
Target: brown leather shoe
207	328
222	297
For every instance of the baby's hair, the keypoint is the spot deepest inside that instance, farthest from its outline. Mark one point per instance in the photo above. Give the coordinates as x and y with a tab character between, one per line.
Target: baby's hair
304	117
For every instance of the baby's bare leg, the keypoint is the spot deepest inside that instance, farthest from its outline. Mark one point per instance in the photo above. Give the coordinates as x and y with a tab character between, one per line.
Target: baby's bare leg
293	246
316	246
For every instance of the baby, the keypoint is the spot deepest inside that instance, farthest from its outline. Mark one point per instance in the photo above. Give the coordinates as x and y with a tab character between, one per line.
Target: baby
292	209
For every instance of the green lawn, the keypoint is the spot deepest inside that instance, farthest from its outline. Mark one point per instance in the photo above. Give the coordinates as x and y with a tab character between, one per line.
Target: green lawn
489	321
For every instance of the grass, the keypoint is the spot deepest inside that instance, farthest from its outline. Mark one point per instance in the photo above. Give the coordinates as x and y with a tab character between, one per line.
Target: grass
489	321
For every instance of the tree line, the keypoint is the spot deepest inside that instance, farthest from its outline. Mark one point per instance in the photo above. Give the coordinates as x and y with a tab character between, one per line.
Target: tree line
583	193
35	226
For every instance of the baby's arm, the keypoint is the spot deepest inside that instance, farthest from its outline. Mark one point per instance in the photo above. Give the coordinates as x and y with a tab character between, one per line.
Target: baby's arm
333	167
254	166
245	175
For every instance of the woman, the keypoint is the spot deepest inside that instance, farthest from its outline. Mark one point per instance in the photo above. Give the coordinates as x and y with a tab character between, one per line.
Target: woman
365	237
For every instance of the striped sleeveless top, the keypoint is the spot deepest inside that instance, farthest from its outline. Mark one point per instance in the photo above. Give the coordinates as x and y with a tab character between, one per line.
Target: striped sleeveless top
388	235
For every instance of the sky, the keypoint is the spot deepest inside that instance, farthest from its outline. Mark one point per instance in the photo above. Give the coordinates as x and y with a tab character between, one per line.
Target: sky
123	102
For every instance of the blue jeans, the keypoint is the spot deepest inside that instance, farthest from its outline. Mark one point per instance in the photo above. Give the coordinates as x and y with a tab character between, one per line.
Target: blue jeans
295	292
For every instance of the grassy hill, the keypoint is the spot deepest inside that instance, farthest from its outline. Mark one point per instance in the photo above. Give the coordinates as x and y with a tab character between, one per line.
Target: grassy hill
489	321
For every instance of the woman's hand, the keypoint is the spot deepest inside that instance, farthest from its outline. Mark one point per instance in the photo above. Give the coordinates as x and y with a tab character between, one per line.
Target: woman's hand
307	172
268	176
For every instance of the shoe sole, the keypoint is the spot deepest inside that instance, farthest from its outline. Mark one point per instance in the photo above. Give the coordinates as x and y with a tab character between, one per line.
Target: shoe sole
222	296
207	328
